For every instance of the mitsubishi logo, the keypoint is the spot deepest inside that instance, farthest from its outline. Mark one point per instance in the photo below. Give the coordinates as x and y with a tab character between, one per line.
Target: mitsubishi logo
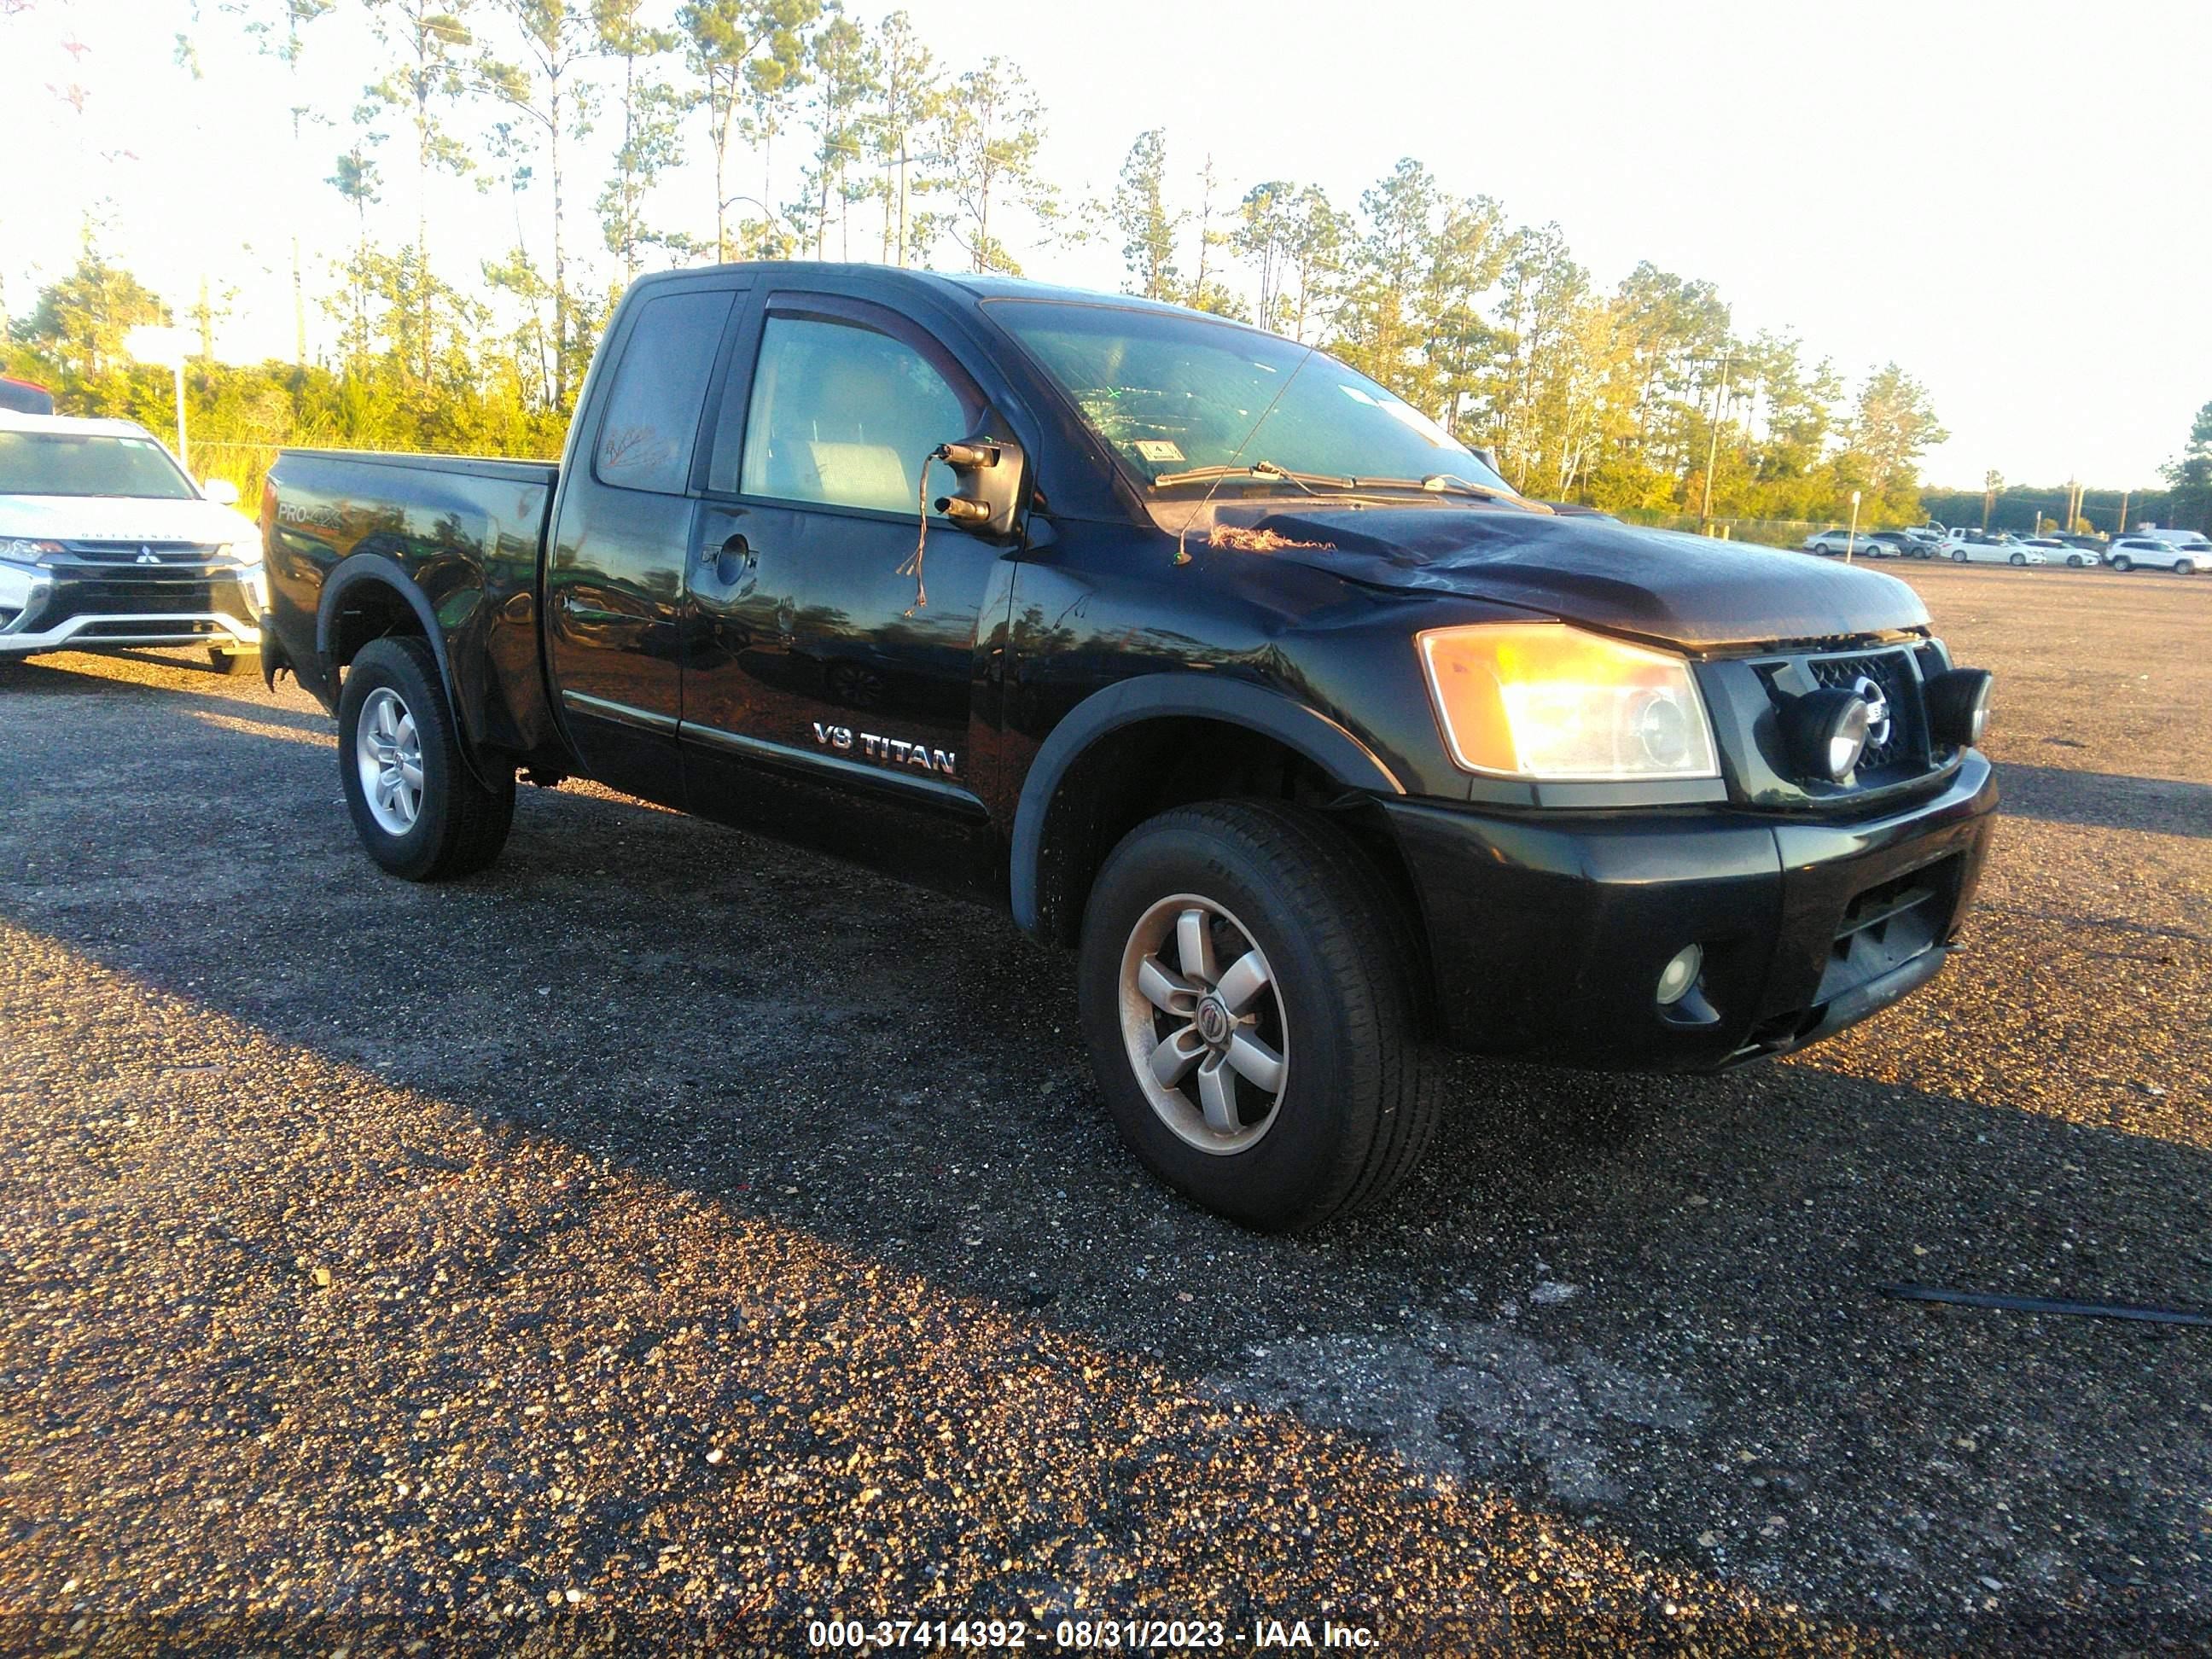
1868	691
147	556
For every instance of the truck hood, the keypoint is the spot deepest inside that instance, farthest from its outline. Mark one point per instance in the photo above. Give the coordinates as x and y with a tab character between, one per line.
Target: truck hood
124	519
1691	592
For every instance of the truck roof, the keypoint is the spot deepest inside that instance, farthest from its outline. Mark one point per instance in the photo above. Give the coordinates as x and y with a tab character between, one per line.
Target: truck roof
964	285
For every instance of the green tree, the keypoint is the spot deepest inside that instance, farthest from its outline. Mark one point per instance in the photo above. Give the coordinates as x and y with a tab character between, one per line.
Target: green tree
1466	258
1148	227
546	87
78	324
1381	329
1892	427
2191	474
428	77
651	112
845	68
742	53
988	134
909	93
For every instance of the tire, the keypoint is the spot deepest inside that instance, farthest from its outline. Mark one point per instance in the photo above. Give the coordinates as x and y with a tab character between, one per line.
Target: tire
2185	566
1959	555
2073	562
457	823
2019	559
1355	1103
2122	563
234	662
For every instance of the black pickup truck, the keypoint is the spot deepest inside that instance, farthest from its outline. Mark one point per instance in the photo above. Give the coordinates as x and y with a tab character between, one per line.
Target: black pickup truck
1197	651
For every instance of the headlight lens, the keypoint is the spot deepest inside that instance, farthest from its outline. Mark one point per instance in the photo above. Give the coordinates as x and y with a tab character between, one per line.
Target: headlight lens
1545	700
24	550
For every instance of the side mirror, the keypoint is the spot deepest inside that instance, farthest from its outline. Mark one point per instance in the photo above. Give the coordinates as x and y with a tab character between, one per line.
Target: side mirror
992	474
221	491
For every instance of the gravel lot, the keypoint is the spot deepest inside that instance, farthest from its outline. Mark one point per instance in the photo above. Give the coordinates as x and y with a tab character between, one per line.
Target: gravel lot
669	1237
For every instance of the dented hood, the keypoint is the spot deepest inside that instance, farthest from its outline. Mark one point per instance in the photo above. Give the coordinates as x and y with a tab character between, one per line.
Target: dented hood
1686	591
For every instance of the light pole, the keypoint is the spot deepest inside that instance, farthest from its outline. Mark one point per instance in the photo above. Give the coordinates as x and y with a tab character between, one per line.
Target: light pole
1851	535
166	347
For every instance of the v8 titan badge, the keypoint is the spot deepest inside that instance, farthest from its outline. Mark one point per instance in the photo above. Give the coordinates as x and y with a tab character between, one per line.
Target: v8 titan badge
896	751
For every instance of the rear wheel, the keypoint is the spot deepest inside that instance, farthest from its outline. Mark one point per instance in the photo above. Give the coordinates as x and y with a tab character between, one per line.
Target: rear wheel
1248	1002
234	662
419	810
1959	555
2185	566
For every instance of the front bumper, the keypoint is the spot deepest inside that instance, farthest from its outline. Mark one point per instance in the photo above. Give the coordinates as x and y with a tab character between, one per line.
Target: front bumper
1546	931
89	607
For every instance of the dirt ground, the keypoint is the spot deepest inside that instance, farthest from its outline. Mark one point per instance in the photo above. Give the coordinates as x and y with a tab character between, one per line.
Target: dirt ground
671	1239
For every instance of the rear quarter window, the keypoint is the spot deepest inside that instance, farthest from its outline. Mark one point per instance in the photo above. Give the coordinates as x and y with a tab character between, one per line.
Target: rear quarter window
652	420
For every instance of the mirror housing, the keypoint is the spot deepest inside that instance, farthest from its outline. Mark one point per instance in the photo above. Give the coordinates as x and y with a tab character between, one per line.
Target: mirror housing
221	491
993	477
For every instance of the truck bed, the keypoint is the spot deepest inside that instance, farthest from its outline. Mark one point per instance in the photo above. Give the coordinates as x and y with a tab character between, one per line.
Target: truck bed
467	533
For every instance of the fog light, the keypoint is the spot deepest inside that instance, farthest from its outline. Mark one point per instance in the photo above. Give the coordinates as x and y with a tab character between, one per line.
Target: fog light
1828	731
1959	706
1676	978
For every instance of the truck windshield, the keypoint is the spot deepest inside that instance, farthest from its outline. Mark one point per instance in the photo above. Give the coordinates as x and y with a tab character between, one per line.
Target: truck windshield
88	463
1177	398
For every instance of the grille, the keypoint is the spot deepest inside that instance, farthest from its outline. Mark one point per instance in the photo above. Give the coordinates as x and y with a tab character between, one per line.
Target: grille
132	553
145	598
1904	750
1899	695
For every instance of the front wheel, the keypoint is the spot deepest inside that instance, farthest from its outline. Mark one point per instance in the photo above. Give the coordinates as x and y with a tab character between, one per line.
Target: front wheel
2018	558
419	810
2185	566
234	662
1247	996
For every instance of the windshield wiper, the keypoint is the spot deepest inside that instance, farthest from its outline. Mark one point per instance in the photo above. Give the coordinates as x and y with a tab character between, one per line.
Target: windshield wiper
1311	482
1441	483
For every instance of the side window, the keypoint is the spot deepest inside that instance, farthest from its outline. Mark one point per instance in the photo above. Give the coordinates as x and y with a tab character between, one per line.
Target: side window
661	385
840	415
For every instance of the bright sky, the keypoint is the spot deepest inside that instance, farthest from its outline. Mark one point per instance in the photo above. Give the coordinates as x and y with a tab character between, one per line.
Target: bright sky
2008	198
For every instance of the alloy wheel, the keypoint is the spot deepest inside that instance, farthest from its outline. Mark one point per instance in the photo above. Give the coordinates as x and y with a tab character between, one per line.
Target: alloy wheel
389	752
1203	1020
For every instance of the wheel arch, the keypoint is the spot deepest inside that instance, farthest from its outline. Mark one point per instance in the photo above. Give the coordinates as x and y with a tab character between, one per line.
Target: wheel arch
1126	753
370	595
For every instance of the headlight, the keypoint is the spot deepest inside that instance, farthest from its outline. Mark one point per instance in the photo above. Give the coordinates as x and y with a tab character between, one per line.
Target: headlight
1547	701
23	551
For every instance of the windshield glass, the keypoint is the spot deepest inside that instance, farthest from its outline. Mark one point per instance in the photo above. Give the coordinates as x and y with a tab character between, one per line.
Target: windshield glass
88	463
1174	394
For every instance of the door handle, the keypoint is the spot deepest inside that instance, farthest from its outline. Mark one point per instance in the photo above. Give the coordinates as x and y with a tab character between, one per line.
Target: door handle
734	560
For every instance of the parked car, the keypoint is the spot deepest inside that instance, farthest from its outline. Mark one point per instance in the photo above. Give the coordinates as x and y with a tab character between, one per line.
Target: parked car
1973	548
1312	738
25	397
1923	540
2195	543
2128	552
1892	544
2091	546
1862	545
107	542
2056	550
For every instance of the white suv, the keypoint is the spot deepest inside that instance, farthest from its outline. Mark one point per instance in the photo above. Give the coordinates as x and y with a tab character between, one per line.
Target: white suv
107	542
2154	553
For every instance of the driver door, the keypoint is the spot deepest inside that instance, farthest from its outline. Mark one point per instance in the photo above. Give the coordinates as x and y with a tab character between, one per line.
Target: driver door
832	692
